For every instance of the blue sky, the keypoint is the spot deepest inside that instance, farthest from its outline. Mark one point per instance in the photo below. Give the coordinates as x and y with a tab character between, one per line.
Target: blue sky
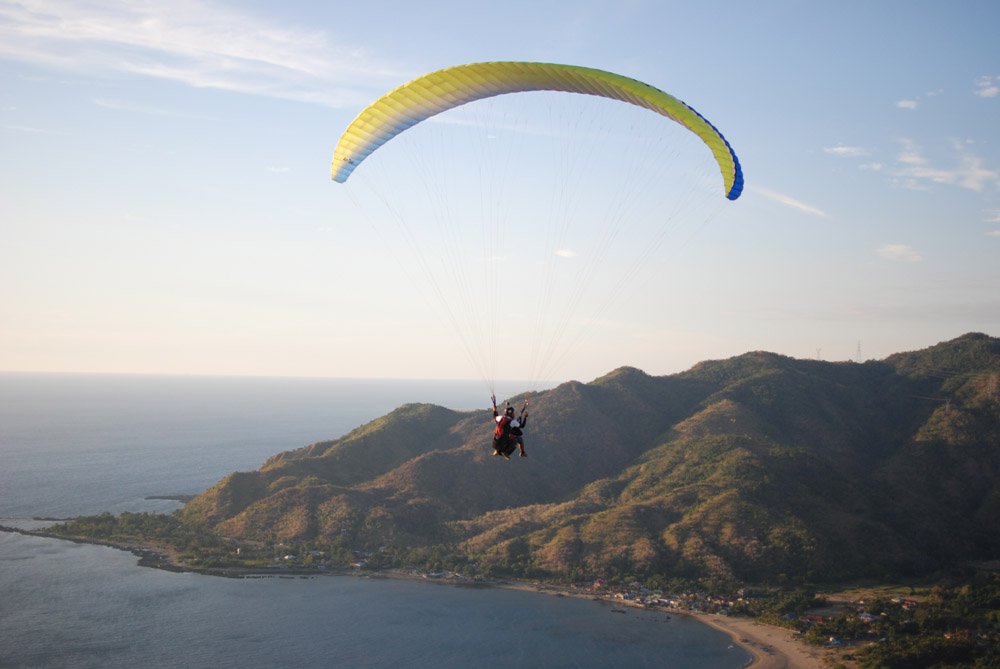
167	206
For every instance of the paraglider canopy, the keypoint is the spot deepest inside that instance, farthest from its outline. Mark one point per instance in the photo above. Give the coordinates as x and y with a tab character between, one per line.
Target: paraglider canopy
451	87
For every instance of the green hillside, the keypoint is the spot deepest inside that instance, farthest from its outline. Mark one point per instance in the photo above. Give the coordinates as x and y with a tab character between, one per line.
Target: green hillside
757	468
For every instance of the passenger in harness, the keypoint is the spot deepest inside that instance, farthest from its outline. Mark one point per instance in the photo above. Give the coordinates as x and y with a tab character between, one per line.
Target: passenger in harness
508	433
517	431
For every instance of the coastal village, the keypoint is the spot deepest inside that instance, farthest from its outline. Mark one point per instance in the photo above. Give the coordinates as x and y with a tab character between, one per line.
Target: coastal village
818	631
835	627
797	631
844	622
779	627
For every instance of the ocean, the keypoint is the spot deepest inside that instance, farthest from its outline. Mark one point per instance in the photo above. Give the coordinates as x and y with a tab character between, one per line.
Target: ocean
84	444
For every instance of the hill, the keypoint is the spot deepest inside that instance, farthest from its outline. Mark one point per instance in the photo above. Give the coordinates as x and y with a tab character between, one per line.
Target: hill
757	468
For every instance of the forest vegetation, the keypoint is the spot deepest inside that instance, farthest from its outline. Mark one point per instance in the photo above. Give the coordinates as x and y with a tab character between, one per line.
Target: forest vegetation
760	469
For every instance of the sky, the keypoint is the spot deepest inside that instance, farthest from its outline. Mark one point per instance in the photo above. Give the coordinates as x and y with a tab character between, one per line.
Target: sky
167	204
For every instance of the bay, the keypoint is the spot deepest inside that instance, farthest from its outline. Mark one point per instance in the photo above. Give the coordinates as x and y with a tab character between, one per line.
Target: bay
78	605
80	444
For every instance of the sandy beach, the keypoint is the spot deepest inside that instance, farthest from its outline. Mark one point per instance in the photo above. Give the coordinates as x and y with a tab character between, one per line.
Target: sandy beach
772	647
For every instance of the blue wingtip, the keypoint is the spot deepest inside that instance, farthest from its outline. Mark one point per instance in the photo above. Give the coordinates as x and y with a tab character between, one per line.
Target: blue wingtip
737	188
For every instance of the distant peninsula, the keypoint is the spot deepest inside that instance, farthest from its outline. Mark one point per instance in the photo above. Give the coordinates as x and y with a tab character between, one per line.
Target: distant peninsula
760	471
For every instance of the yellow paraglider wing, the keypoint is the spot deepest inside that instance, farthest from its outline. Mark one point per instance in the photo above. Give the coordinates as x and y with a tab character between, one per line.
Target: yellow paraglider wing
445	89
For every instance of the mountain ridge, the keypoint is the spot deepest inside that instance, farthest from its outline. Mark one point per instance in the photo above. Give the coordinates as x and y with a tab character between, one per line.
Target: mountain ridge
761	467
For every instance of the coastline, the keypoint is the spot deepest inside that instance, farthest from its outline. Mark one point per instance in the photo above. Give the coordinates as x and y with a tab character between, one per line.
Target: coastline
770	647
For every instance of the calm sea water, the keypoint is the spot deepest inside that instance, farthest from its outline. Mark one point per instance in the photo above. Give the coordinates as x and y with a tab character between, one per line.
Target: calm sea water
81	444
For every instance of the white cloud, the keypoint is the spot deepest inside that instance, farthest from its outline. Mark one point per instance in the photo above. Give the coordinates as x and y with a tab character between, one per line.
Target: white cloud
907	104
987	87
566	253
910	154
854	152
913	184
195	43
900	252
993	217
789	201
846	151
120	105
916	170
279	170
35	130
123	105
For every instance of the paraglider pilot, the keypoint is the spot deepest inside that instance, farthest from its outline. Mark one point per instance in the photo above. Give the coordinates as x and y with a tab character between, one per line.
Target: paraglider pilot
509	432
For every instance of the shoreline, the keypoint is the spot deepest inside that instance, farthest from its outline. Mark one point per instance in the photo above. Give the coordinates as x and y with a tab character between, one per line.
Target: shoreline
770	647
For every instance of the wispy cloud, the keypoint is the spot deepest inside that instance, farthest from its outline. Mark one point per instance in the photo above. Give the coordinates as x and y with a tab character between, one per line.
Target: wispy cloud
987	87
35	130
124	105
900	252
913	103
916	171
910	153
789	201
566	253
993	217
846	151
195	43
